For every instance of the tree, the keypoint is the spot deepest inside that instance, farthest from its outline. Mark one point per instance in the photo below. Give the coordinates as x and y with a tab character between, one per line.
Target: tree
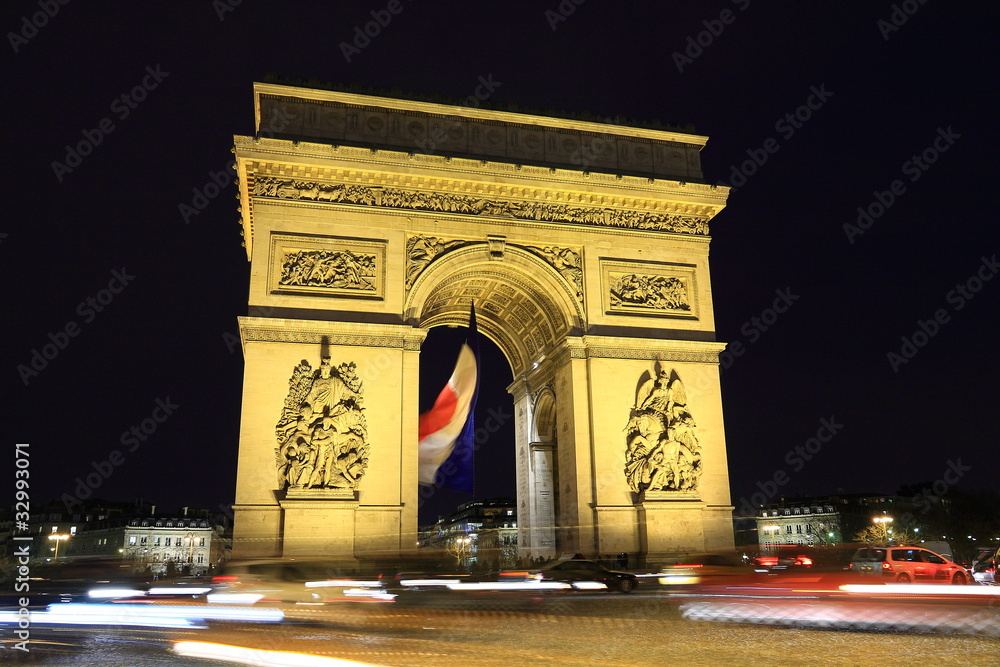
879	535
824	533
459	547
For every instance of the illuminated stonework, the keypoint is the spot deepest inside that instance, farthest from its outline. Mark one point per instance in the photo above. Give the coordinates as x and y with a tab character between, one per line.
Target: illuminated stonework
322	434
361	237
662	451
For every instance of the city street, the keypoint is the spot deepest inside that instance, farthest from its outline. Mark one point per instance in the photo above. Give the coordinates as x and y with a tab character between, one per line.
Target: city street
640	629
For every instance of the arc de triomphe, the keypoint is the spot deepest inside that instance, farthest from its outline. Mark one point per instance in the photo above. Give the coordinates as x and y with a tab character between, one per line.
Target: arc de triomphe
369	220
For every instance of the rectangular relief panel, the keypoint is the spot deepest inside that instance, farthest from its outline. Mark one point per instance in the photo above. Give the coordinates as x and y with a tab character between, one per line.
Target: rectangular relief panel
657	289
327	266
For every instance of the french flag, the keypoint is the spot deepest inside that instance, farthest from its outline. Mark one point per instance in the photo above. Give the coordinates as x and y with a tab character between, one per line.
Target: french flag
448	429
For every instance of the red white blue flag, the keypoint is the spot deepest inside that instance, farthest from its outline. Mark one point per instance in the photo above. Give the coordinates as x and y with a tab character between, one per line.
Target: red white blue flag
447	430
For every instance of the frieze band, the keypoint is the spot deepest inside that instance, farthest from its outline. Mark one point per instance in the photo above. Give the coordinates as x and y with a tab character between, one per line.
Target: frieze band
297	189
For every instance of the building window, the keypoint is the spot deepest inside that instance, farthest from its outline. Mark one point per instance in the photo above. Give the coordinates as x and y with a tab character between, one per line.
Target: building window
166	542
131	540
798	529
788	512
201	542
201	558
72	530
809	529
788	529
142	540
156	541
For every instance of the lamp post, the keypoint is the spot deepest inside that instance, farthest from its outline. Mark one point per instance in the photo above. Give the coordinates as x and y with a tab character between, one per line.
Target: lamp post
58	538
884	522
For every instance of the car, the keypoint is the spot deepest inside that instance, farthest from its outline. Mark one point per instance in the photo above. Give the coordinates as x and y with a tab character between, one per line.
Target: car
906	564
710	569
584	574
984	567
287	581
85	579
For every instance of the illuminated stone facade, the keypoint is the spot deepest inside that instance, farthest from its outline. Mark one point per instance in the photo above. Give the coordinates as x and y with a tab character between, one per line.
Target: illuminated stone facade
585	249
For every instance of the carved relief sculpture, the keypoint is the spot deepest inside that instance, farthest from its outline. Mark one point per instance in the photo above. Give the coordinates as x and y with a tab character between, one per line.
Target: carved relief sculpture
662	451
341	269
322	434
566	261
290	188
422	250
653	292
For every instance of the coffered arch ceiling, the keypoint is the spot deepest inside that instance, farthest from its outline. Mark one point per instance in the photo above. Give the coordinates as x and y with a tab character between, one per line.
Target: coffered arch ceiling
521	302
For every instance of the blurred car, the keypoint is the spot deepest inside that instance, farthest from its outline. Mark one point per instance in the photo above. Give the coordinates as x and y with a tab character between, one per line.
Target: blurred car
908	565
584	574
710	569
288	581
786	561
984	567
84	579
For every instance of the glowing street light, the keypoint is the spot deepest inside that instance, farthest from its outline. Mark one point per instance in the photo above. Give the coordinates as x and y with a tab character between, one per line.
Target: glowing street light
58	538
884	522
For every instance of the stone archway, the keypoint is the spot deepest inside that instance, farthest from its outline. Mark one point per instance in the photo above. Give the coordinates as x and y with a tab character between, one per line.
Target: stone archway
585	247
527	308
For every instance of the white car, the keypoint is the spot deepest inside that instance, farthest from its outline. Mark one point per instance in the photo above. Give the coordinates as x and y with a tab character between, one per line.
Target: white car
984	567
908	565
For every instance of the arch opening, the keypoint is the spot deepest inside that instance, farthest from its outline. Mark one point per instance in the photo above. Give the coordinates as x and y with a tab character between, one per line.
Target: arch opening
522	303
494	455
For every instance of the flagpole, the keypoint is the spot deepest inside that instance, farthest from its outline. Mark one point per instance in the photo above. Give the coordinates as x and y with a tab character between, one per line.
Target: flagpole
473	330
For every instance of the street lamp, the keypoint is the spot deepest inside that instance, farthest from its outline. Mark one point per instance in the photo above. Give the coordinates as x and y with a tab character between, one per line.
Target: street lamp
884	522
58	538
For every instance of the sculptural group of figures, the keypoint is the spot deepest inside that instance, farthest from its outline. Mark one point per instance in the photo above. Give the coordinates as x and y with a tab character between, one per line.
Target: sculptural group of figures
662	451
328	268
290	188
322	434
660	292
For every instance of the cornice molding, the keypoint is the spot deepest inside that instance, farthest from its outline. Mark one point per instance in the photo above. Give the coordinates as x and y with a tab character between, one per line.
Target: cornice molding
359	334
301	159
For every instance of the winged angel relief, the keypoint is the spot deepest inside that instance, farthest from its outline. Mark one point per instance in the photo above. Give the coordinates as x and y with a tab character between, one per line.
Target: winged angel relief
322	434
662	452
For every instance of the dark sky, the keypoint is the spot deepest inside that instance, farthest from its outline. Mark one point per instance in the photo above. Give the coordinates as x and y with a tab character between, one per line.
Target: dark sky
880	94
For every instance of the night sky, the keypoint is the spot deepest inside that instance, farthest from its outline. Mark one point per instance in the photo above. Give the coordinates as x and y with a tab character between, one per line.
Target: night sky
813	110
